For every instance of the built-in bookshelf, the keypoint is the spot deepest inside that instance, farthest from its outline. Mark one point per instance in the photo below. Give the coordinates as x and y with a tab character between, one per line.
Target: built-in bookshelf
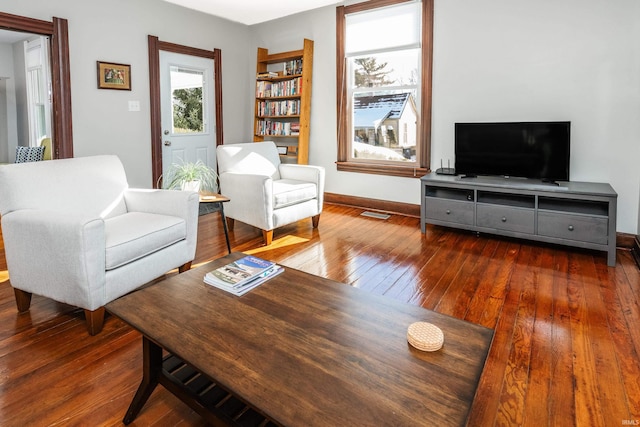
283	101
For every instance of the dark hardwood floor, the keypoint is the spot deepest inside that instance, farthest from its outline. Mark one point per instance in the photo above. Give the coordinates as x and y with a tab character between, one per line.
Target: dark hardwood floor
565	351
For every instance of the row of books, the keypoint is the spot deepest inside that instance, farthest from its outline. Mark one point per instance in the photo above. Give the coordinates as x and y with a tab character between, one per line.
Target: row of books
266	89
242	275
277	128
289	107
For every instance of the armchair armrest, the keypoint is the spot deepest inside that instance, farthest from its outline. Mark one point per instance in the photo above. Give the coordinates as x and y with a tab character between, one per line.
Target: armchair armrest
302	172
251	198
39	242
308	173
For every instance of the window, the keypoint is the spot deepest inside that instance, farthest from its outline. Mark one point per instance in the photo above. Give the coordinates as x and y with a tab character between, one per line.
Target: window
187	100
38	91
384	86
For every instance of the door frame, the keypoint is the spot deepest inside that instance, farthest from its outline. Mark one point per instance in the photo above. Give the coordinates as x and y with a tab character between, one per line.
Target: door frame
58	31
155	46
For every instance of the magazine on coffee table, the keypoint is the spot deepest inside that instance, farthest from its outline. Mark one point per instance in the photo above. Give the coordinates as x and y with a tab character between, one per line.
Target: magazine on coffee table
247	286
242	275
238	272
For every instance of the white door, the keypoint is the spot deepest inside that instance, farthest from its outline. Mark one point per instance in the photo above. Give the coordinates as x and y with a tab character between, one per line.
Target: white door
188	110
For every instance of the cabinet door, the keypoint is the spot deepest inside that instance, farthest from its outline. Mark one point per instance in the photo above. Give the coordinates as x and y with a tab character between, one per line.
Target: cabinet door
454	211
580	228
506	218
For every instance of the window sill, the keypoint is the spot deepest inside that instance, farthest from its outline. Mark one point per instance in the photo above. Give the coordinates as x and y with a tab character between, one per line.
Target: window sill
382	169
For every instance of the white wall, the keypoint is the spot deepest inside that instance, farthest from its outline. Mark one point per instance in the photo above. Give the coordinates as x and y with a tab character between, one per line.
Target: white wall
116	31
502	60
8	130
21	121
6	72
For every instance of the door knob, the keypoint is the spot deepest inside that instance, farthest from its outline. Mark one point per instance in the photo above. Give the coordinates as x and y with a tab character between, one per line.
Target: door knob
166	132
167	143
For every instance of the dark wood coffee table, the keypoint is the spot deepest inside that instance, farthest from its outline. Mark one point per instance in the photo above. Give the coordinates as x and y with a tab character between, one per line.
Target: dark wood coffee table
300	350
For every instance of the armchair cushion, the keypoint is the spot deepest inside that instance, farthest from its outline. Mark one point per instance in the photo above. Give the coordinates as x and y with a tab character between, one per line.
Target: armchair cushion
287	192
134	235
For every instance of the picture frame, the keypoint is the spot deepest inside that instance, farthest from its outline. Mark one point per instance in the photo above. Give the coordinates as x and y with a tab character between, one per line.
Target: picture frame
282	149
112	75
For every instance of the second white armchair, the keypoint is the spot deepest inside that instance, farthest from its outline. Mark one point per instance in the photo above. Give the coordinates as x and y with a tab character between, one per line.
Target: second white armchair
264	192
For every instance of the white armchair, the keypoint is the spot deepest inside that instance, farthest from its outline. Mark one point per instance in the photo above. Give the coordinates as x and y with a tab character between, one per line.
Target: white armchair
265	193
74	232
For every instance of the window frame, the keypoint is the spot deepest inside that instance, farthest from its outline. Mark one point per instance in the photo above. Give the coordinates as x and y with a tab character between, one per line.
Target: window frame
421	166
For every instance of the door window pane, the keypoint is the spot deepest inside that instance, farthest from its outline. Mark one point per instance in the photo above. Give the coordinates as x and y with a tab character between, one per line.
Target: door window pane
187	101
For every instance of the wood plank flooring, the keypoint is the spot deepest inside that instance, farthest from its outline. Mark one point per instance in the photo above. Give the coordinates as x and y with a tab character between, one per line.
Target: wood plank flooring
565	351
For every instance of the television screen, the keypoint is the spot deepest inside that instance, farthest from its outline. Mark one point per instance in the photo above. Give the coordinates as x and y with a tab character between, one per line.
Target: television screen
519	149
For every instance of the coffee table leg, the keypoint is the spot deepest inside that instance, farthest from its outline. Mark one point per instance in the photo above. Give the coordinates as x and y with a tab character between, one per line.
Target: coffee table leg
152	367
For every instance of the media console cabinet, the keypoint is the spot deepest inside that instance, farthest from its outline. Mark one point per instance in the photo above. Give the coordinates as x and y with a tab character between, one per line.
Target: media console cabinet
579	214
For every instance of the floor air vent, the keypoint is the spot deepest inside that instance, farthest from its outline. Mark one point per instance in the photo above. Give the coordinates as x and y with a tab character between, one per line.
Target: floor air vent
375	215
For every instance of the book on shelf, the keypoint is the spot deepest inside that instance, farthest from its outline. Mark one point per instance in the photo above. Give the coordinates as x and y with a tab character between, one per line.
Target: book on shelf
242	289
267	74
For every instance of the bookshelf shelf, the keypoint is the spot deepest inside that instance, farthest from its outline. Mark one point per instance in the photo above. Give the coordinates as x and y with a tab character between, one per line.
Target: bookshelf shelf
287	76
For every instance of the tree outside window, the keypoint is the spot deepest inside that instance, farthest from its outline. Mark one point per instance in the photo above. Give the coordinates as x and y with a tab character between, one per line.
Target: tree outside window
187	100
187	110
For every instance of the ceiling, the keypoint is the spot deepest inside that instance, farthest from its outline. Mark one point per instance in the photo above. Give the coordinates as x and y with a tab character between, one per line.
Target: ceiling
251	12
7	36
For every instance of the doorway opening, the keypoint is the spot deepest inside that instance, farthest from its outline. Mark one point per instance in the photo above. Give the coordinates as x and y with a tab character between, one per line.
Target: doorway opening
56	32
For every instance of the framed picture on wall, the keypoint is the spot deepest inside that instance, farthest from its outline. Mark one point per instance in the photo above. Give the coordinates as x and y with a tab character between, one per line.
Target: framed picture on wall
114	76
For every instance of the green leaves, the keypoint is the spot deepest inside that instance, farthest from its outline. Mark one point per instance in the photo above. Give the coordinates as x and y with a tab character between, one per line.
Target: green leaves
189	171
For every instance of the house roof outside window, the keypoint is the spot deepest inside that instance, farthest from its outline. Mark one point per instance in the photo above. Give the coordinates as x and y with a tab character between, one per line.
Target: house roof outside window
372	110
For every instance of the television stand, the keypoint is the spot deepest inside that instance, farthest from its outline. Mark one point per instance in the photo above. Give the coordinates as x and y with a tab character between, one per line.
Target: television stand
578	214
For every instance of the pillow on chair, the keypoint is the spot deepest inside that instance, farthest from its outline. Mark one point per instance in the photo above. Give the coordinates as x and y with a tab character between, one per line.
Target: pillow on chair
29	154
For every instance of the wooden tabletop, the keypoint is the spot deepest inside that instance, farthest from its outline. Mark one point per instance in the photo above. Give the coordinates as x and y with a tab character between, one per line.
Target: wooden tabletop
309	351
208	197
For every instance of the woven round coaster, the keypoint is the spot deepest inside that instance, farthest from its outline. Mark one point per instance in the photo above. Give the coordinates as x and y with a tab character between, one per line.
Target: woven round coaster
425	336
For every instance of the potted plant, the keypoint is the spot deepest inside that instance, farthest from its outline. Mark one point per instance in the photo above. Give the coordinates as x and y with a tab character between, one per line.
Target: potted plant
191	177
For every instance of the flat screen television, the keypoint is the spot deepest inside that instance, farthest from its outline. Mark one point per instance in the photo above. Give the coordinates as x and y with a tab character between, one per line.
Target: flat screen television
538	150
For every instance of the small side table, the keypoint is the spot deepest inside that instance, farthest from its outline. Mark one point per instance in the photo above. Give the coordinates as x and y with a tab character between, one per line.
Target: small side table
206	197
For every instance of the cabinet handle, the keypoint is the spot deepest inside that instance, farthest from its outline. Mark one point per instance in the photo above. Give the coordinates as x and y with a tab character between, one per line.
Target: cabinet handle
504	219
571	228
448	212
